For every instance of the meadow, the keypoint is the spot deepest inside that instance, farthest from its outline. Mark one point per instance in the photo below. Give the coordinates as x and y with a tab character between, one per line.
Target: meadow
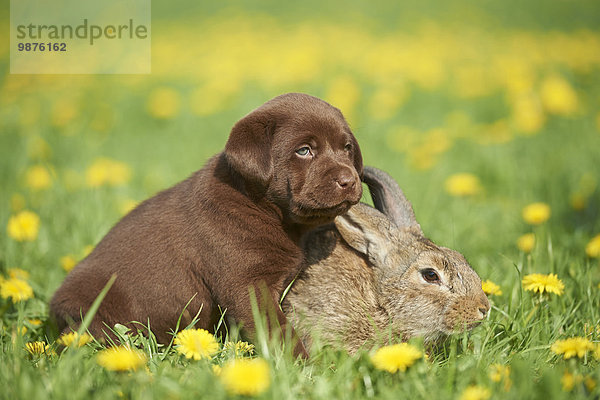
489	120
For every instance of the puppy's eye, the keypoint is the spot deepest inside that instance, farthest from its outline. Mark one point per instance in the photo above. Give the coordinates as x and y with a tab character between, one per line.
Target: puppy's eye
348	147
430	275
303	151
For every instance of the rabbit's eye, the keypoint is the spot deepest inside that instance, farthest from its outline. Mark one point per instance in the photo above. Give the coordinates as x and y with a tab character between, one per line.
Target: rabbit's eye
430	275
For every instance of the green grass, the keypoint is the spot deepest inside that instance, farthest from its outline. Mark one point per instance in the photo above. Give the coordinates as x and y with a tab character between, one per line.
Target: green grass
111	119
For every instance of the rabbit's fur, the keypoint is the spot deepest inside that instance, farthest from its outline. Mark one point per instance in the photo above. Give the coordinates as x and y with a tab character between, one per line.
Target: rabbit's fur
367	275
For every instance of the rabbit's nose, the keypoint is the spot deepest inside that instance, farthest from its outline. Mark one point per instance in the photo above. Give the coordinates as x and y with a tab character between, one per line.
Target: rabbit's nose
484	306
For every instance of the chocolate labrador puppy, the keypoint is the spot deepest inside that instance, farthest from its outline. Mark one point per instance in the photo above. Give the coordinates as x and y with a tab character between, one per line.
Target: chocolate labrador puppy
235	225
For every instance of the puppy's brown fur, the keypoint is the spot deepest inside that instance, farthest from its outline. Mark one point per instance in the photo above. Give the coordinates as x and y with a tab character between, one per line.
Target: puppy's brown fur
233	225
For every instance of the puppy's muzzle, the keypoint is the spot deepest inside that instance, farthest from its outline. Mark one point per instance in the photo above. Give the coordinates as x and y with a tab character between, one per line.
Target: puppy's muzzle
346	185
346	180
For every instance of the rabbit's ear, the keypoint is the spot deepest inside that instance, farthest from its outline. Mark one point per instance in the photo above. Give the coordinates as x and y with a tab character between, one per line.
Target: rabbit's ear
367	231
390	199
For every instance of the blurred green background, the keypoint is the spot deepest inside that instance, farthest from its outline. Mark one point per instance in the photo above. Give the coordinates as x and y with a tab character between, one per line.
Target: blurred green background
506	92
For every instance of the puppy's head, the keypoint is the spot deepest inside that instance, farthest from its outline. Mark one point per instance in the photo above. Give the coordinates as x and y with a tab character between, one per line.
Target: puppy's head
301	153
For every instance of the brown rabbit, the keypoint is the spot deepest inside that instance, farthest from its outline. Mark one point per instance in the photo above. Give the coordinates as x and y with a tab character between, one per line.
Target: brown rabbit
375	271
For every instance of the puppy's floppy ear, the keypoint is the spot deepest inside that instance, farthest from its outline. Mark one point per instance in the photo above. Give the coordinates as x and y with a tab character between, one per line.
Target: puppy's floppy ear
248	149
358	161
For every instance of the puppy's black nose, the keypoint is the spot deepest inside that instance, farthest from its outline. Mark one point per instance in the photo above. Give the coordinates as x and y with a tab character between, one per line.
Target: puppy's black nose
345	180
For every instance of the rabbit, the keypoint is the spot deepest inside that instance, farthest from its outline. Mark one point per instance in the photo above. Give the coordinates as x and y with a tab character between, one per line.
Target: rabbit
373	270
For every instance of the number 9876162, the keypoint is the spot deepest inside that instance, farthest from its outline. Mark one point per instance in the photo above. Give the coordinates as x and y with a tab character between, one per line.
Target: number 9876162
49	46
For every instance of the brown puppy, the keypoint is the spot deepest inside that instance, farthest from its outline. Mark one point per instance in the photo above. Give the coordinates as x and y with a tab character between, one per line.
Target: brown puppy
288	166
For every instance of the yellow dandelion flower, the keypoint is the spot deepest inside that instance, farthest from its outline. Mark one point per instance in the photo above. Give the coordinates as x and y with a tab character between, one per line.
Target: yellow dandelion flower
540	283
17	202
121	359
35	322
246	377
104	171
463	184
196	343
396	357
499	373
18	273
558	96
491	288
24	226
163	103
72	339
239	349
68	262
15	288
568	381
571	347
36	348
38	177
592	249
526	242
536	213
475	392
